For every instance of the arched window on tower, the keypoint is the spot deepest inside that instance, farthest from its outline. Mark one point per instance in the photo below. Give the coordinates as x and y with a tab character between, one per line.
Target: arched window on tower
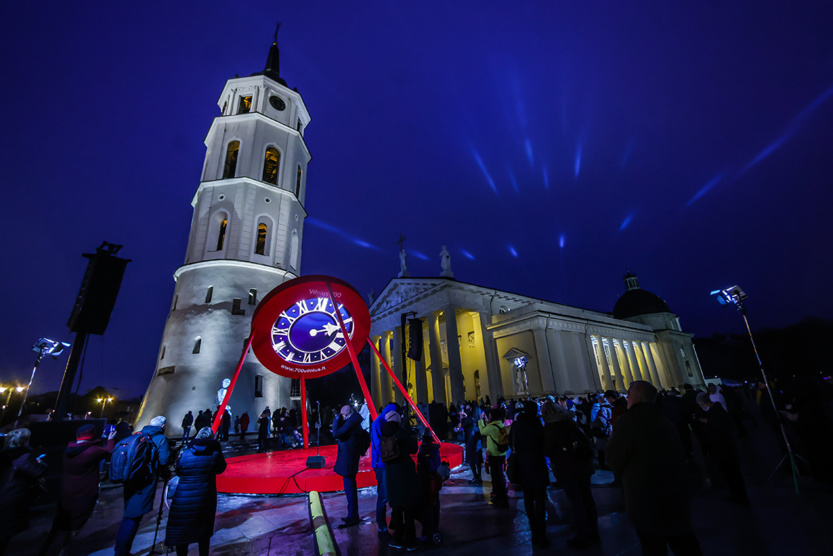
197	345
293	250
231	159
263	242
217	231
271	162
260	245
298	182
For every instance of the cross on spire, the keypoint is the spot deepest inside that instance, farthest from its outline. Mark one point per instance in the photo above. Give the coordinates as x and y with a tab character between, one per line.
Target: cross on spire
277	28
401	242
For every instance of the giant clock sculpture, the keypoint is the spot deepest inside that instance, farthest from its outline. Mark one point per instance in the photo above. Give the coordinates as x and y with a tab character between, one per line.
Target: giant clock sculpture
300	333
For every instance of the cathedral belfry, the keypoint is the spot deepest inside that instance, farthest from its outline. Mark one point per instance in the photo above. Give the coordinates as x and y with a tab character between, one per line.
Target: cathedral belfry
245	239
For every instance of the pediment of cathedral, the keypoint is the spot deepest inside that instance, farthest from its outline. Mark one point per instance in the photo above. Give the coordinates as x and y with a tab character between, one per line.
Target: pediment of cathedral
399	292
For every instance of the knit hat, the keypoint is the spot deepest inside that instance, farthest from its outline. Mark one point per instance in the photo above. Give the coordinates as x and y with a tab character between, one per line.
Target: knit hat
393	416
85	432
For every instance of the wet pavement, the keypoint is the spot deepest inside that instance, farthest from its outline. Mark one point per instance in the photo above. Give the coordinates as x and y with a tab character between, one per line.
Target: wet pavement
778	521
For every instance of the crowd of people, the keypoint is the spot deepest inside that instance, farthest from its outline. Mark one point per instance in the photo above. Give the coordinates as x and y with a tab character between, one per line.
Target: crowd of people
646	438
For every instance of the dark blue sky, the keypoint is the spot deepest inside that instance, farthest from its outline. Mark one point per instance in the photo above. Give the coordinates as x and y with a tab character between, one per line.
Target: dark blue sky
687	142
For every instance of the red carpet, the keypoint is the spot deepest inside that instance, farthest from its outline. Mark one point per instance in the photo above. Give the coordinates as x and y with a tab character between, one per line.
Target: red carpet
286	472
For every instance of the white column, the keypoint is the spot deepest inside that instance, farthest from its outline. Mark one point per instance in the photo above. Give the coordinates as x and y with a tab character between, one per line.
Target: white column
543	362
375	376
601	362
641	365
420	382
617	372
385	381
652	368
625	364
662	373
398	364
494	386
436	358
455	365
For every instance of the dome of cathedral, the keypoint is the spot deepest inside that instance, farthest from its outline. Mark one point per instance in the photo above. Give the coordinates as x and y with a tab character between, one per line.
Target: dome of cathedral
636	301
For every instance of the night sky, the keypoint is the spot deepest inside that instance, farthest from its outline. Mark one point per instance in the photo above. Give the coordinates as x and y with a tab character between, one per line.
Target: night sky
552	146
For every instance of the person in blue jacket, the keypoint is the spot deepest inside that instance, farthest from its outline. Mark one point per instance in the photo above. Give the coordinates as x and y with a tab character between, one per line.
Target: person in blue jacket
379	468
347	430
195	500
139	493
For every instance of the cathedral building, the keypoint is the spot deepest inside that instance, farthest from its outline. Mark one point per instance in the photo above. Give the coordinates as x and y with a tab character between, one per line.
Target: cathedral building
479	342
245	239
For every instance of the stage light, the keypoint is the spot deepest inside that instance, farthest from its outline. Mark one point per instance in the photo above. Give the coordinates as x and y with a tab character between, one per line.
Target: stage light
20	389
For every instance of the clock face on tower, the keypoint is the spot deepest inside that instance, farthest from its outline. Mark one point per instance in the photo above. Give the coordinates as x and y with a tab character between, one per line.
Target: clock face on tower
297	330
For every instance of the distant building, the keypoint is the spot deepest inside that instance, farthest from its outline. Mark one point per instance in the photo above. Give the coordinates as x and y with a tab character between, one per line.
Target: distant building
502	344
246	236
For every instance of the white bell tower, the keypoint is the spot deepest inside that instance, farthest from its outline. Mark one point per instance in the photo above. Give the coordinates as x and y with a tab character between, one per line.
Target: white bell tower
246	236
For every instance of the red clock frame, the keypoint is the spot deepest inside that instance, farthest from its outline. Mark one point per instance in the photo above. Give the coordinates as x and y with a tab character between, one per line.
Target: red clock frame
288	294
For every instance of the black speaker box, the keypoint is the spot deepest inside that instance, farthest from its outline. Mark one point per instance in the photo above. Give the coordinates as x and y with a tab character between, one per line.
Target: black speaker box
316	462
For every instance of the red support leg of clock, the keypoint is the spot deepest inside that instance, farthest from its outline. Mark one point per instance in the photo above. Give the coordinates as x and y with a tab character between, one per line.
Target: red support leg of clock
304	412
365	392
404	392
218	417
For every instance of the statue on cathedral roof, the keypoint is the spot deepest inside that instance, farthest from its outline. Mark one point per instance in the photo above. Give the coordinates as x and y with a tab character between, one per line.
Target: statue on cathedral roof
403	264
445	262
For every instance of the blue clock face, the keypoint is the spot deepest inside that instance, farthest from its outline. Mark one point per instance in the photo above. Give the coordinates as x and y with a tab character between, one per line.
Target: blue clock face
308	333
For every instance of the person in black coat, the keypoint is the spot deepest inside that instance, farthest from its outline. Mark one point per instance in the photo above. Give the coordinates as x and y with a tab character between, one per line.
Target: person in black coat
402	482
571	456
139	493
720	447
21	475
347	430
526	437
263	431
194	504
647	456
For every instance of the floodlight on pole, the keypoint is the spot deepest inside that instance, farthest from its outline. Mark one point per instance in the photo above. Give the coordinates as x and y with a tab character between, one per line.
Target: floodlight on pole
43	346
736	296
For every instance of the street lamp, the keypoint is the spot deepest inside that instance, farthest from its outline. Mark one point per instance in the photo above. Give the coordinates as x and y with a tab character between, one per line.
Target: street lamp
11	389
736	296
103	402
43	346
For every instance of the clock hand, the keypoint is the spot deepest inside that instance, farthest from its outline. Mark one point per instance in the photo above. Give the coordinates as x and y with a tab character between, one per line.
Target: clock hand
328	329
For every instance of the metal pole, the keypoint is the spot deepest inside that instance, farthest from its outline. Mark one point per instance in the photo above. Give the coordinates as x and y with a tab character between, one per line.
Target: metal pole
69	376
352	353
304	412
26	395
771	397
218	417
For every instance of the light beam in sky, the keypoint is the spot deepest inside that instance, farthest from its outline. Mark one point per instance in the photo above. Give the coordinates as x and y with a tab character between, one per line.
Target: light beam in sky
626	222
513	252
704	189
420	256
627	155
528	146
339	232
514	181
484	170
466	254
577	163
561	241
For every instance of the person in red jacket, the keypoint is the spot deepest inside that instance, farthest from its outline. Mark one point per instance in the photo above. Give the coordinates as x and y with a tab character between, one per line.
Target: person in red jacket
79	493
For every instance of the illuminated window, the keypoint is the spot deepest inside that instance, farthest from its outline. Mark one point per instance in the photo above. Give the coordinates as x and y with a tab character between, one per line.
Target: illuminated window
176	298
161	357
221	235
197	345
209	294
298	182
260	246
252	296
270	165
245	105
231	159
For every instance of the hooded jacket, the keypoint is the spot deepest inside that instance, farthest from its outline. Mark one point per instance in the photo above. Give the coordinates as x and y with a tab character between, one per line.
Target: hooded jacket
376	436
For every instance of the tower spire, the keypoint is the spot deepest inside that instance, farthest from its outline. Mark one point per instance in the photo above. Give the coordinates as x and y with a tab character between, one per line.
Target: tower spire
273	62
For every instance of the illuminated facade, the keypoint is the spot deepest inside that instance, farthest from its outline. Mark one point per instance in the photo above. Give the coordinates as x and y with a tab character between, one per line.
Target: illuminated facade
245	239
505	345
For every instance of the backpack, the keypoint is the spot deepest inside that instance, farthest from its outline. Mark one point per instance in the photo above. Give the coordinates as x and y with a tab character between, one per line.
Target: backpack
600	428
389	449
364	442
132	458
579	445
503	439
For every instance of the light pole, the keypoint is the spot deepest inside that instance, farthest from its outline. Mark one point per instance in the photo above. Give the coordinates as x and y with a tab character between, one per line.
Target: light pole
103	402
736	296
43	346
11	389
